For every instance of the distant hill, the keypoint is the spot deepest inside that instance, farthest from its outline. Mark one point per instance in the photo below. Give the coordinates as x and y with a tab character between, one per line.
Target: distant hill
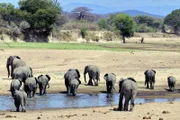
97	9
137	12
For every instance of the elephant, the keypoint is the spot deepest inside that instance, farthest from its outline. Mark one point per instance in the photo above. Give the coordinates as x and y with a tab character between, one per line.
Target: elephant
110	79
15	85
150	78
72	81
14	62
20	98
43	82
22	73
94	74
171	82
30	86
127	89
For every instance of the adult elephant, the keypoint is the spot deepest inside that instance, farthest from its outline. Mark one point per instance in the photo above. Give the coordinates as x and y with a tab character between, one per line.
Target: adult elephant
127	89
43	82
94	74
20	98
171	82
150	78
30	86
13	62
22	73
72	81
110	79
15	85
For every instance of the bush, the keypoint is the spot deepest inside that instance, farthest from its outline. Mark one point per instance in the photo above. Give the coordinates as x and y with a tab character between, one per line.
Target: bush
83	32
79	25
24	25
108	36
143	28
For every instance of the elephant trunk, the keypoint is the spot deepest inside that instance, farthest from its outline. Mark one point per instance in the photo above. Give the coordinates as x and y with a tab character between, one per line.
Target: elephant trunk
85	77
7	66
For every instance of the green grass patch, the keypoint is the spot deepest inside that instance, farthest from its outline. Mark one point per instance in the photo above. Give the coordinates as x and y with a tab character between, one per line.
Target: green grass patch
64	46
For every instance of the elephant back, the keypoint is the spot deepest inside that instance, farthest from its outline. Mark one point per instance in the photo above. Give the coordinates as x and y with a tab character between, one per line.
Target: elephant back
71	74
42	79
30	83
18	62
110	77
127	85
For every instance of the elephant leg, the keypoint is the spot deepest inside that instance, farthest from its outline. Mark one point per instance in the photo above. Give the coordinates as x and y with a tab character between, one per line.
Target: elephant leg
147	84
40	89
69	90
95	82
44	90
126	103
120	102
17	106
132	103
23	105
107	87
90	82
152	85
34	92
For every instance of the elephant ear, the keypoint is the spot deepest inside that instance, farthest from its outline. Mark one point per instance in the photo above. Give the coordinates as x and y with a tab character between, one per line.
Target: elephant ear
145	72
36	80
132	79
105	76
49	78
17	57
77	71
154	71
40	76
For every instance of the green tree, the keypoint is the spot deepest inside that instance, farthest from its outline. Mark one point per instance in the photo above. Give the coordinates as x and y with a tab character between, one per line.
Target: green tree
124	24
173	20
41	15
148	22
7	12
103	24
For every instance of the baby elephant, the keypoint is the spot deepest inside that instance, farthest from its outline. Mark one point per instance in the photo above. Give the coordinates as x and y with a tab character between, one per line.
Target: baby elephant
30	86
110	79
20	100
127	89
171	82
72	81
15	85
43	81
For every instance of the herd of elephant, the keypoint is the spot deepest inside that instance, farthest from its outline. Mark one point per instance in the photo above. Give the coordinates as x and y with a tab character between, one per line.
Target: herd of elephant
20	73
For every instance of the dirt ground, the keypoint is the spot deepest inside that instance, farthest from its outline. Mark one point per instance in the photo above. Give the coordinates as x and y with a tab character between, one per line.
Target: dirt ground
123	64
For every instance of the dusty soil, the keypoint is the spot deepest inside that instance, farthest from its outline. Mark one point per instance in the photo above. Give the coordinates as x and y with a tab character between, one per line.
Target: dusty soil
123	64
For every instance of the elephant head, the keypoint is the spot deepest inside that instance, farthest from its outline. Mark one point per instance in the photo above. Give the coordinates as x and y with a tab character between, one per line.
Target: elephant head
86	69
94	74
10	63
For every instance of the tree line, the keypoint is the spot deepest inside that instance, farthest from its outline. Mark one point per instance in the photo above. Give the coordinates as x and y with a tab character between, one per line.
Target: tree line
37	19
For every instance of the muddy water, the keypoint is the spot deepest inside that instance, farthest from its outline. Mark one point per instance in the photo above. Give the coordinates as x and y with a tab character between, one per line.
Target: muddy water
81	100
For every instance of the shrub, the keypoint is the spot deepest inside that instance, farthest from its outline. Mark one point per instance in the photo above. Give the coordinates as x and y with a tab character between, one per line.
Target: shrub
83	32
79	25
143	28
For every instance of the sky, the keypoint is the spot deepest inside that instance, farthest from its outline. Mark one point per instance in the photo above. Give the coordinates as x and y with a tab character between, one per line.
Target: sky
126	2
115	2
160	7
